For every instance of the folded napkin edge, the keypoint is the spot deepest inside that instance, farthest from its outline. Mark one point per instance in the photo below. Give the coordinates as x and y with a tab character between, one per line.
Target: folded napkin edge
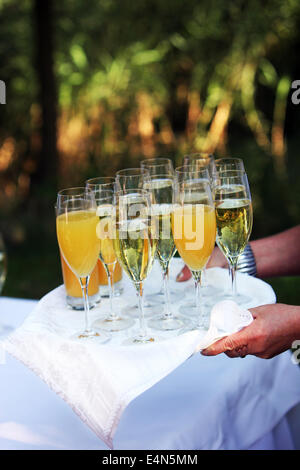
10	348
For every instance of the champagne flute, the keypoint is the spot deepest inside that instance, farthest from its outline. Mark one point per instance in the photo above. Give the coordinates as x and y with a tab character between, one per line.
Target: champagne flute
103	189
197	161
231	167
135	246
162	192
194	226
159	165
76	226
130	178
234	217
223	165
201	160
200	173
125	180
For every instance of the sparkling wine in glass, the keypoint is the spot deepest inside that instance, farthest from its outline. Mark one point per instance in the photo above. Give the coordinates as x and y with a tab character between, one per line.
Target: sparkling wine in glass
135	245
161	166
103	190
125	180
234	217
162	189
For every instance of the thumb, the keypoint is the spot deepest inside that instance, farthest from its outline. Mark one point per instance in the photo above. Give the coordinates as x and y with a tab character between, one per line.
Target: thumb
184	275
225	344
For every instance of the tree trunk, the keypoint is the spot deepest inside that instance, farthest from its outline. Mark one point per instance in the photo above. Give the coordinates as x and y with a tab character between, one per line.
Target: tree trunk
47	160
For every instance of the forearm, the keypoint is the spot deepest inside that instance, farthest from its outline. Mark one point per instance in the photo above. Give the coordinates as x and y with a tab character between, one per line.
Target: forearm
278	255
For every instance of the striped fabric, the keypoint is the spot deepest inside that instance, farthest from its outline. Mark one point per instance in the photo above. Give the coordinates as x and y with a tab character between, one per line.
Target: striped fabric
246	263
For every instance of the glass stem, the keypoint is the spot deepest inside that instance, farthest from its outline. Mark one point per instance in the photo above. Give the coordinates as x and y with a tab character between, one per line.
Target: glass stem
199	303
84	282
110	273
168	313
233	267
139	289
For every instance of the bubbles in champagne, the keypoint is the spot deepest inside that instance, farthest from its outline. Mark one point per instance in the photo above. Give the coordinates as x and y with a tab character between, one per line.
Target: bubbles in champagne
234	224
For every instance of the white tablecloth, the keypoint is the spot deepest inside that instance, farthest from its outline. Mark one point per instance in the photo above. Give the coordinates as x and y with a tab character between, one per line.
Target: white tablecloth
201	405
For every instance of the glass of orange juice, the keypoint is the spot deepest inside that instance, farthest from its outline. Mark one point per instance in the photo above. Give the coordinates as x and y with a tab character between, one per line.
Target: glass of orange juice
76	227
73	290
194	225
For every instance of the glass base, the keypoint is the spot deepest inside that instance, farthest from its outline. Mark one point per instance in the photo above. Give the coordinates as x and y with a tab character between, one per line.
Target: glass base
210	294
189	309
210	291
240	299
112	324
164	323
204	326
148	302
138	340
149	310
91	335
118	289
76	303
159	297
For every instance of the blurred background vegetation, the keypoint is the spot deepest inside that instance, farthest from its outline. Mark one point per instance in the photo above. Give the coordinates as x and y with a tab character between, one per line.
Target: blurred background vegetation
96	86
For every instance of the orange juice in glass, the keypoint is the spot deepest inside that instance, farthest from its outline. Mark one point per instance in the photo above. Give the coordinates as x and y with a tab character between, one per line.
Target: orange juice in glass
103	281
73	289
194	231
194	227
76	229
78	243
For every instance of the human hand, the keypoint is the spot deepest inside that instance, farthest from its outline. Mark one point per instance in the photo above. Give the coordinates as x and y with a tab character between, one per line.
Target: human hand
217	259
184	275
272	331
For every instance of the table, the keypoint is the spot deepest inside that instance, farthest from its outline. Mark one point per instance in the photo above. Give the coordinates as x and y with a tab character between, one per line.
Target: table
183	411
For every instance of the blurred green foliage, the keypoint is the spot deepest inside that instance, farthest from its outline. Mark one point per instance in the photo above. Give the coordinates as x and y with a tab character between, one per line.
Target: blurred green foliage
139	79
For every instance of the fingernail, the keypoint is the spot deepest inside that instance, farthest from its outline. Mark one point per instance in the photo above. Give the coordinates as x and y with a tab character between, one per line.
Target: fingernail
205	352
